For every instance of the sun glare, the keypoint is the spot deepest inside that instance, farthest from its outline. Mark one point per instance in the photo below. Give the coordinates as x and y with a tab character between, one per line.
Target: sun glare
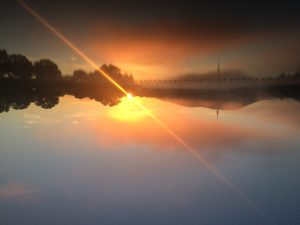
129	96
128	110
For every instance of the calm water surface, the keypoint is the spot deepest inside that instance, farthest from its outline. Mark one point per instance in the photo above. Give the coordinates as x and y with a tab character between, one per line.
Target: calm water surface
84	163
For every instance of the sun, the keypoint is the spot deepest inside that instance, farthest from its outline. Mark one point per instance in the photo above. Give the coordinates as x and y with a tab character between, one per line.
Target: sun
129	96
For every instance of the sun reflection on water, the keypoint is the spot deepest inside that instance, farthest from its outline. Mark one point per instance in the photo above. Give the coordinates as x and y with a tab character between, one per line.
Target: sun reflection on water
128	110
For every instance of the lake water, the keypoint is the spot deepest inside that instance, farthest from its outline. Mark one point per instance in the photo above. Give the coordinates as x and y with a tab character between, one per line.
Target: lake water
84	163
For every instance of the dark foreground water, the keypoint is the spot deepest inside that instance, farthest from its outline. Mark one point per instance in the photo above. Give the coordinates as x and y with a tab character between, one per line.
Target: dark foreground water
84	163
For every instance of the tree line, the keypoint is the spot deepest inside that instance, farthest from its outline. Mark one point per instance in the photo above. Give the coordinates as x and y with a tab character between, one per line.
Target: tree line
18	67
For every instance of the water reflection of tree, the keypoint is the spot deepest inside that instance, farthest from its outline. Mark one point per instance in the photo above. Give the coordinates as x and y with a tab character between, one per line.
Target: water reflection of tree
20	96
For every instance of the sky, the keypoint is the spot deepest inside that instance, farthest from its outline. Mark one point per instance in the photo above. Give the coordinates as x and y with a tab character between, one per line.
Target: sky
158	39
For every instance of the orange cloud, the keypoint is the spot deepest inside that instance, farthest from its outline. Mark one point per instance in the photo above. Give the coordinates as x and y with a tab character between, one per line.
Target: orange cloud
158	50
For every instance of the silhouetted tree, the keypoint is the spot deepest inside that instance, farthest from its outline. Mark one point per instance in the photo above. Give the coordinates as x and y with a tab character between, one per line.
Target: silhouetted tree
128	78
96	75
4	106
113	71
3	62
46	102
45	69
20	103
282	75
19	67
80	75
116	73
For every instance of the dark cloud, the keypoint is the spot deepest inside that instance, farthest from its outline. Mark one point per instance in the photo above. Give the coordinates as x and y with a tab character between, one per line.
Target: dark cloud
146	36
212	16
186	9
171	19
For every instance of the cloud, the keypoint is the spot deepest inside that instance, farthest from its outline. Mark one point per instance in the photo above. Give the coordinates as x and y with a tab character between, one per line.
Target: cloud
160	49
38	119
15	190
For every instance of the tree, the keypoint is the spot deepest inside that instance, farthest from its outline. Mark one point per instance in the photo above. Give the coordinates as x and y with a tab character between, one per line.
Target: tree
116	73
19	67
128	78
4	106
80	75
45	69
113	71
46	102
3	62
96	75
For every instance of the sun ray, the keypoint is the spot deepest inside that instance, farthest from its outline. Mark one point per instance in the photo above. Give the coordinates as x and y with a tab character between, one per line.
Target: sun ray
186	146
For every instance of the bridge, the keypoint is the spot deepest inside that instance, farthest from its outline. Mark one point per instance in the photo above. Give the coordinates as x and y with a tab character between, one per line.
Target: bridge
218	83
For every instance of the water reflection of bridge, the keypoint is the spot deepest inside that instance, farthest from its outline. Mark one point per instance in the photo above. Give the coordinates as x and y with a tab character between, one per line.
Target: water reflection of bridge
216	79
218	83
230	93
